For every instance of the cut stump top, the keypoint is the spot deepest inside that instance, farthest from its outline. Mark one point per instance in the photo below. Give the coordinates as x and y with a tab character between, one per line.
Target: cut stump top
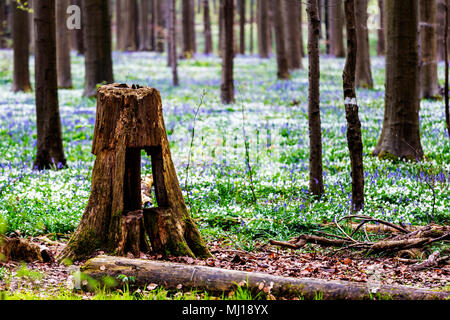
128	115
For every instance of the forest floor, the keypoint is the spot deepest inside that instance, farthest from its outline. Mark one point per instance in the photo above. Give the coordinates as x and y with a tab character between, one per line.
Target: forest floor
270	118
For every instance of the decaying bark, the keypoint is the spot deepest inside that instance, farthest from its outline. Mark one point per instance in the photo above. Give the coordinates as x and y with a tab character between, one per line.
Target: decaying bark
17	249
216	280
128	121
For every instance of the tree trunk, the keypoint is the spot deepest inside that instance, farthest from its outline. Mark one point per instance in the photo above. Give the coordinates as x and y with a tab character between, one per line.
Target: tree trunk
31	28
363	68
282	60
3	24
130	26
252	25
188	34
336	28
218	281
446	88
144	44
49	136
97	32
400	136
242	4
354	137
441	17
300	15
159	26
21	78
327	25
429	87
207	27
119	25
381	38
77	38
63	46
129	120
292	24
173	41
315	133
263	28
227	86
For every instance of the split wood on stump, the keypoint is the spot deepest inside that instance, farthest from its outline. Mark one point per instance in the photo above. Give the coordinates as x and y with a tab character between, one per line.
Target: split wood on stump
129	120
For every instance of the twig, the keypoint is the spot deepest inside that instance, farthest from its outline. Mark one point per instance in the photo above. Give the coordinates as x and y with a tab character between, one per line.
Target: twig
191	145
376	220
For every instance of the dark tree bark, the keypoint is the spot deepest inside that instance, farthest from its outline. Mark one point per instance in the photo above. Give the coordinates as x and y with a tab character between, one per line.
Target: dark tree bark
292	24
130	25
446	88
159	26
31	28
119	25
63	46
315	134
49	136
242	4
21	37
144	10
97	33
227	87
336	28
173	41
207	27
3	24
263	28
354	137
114	220
381	38
188	29
282	60
400	136
441	17
363	67
300	14
429	88
327	25
76	35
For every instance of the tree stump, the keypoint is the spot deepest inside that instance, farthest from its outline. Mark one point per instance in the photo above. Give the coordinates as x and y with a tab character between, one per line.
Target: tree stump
129	120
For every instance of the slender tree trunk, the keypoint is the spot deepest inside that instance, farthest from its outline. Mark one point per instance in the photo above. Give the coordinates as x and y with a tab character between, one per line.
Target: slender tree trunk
381	38
441	17
252	25
130	25
192	26
188	29
315	134
429	87
446	88
242	4
363	67
119	27
49	134
3	24
327	25
300	14
336	28
292	23
282	60
63	46
76	35
152	25
173	41
159	26
31	28
400	136
263	28
354	137
220	44
227	87
143	25
207	27
97	32
21	78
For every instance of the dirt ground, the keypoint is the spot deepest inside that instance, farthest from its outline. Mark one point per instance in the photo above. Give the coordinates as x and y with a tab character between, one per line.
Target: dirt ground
314	262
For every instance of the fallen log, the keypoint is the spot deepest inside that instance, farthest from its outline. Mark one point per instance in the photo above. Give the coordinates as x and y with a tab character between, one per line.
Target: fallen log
216	280
18	249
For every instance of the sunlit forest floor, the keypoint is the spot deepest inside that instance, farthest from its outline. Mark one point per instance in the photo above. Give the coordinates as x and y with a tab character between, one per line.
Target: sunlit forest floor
270	115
